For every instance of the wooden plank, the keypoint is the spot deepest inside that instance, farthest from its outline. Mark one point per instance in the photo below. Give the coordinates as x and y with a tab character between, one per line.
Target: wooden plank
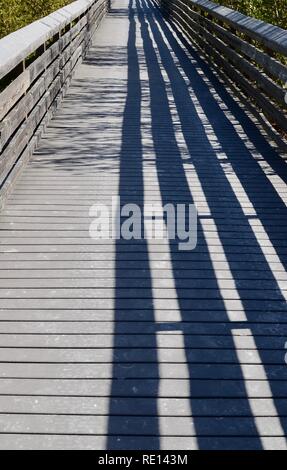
137	355
15	117
138	387
70	64
13	92
141	371
181	426
133	322
144	341
65	442
22	282
71	48
28	218
143	304
140	265
70	239
68	37
130	317
44	61
107	246
228	233
143	293
82	227
135	406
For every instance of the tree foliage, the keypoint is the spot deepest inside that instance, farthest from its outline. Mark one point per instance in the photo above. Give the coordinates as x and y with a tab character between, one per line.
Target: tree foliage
271	11
15	14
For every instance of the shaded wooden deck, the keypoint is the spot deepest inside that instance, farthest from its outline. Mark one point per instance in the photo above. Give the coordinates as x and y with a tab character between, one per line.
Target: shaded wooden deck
137	345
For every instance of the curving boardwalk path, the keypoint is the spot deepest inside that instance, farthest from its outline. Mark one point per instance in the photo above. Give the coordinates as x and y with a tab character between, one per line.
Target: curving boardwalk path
136	344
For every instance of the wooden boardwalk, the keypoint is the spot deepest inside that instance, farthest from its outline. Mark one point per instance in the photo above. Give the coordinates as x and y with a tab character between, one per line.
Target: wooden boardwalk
136	344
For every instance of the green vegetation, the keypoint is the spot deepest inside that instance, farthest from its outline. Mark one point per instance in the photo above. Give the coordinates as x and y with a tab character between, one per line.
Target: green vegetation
15	14
271	11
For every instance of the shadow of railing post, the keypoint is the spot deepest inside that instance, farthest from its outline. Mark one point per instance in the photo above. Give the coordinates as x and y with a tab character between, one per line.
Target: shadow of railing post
136	393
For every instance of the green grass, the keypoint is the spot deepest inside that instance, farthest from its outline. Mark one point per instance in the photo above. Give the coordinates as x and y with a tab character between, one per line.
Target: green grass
15	14
271	11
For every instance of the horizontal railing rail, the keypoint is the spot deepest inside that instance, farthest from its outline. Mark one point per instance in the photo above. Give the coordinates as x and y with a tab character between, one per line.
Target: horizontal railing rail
36	66
248	52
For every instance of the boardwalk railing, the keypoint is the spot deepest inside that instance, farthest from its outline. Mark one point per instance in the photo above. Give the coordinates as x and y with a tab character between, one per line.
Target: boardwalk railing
248	52
36	65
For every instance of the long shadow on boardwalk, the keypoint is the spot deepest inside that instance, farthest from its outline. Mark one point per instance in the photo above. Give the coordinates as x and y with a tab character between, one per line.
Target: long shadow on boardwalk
130	391
241	250
226	278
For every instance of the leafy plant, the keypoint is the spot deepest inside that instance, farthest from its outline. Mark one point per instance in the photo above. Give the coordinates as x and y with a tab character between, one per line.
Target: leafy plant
271	11
15	14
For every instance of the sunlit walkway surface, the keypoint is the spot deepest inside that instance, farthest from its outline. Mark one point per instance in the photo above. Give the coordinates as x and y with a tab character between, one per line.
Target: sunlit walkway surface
136	344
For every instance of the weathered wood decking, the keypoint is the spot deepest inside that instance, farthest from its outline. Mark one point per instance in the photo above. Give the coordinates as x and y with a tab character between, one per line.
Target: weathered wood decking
137	345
